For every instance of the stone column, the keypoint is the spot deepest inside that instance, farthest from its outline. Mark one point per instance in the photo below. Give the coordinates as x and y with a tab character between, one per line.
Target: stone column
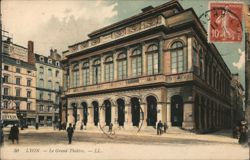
126	115
115	66
144	59
80	75
144	110
90	71
128	118
101	116
189	50
102	69
200	122
159	112
168	114
129	67
205	117
113	114
91	115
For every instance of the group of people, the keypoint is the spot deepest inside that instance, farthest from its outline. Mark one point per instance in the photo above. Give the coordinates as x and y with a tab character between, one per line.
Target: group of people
161	128
240	131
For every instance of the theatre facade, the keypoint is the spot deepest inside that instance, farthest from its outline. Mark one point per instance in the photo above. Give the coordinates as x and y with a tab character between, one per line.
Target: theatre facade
156	65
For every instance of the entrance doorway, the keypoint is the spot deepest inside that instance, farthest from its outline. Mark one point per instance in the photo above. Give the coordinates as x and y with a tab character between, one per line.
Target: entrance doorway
96	112
107	106
151	111
85	113
121	110
135	110
176	110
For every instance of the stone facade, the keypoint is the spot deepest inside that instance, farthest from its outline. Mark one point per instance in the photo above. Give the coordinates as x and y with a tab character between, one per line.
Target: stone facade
154	66
49	84
19	84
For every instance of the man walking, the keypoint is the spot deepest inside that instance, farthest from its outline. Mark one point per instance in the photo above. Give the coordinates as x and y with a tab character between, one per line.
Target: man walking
70	131
165	126
110	128
14	133
159	128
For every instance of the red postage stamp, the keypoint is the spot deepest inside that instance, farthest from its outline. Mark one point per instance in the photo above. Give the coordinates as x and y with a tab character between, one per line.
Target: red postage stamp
225	22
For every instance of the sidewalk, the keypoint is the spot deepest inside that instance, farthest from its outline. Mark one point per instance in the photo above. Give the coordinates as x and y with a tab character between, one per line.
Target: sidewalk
223	136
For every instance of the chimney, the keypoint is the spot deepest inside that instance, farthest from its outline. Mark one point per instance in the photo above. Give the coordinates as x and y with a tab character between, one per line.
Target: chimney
31	55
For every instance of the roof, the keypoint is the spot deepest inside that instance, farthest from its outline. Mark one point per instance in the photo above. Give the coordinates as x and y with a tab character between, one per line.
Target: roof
17	62
146	13
46	61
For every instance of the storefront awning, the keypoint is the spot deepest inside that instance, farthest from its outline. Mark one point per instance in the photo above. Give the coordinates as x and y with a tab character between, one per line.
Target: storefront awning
9	117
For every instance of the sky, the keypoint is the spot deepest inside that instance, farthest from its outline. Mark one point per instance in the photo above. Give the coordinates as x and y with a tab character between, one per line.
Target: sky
59	23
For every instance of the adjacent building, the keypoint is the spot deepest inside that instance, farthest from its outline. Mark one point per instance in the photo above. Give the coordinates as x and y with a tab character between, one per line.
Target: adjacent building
48	88
19	84
156	65
237	96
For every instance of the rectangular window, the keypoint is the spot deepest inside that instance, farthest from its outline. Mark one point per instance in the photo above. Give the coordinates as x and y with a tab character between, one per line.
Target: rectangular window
49	72
28	106
6	79
49	96
6	68
29	82
109	72
136	66
18	70
41	95
18	80
50	84
41	108
76	78
18	92
6	91
28	94
49	108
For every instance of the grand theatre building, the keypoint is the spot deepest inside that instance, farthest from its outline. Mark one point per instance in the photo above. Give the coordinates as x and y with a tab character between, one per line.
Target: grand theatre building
156	65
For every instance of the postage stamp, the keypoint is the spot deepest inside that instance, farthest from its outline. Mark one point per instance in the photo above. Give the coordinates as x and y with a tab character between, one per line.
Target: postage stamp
225	22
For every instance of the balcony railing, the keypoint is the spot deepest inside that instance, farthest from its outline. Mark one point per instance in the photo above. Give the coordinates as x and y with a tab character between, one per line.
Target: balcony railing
168	79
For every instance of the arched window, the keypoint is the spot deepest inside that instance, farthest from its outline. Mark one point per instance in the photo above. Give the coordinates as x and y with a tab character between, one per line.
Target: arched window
85	73
152	59
122	66
136	63
109	69
96	71
177	58
76	78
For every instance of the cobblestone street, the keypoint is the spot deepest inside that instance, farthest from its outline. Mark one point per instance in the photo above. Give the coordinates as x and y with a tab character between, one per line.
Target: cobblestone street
51	144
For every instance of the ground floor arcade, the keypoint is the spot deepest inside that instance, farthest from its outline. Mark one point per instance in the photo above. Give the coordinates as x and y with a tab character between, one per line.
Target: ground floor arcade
179	106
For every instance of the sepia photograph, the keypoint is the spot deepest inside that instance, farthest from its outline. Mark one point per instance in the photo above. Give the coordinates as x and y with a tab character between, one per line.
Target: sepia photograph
124	79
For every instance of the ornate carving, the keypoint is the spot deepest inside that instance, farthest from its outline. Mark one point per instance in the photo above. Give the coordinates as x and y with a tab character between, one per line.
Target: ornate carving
151	22
95	41
119	33
73	48
134	28
106	38
84	45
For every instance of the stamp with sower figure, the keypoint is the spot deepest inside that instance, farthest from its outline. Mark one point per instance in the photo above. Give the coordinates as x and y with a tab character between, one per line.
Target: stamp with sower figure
225	22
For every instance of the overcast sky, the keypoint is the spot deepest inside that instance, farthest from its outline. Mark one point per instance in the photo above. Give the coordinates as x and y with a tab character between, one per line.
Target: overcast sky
60	23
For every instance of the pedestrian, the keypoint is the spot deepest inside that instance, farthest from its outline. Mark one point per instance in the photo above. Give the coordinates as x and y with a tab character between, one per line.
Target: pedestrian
81	127
235	131
159	128
37	126
1	136
70	131
14	134
110	127
165	126
243	133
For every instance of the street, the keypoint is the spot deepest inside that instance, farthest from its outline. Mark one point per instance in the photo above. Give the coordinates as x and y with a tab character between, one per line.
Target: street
50	144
